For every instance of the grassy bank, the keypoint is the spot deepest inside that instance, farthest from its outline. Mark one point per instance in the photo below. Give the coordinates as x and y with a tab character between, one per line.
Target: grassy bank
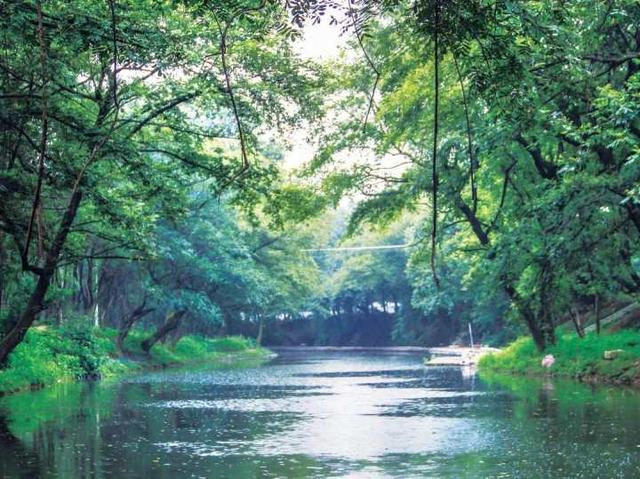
51	355
581	359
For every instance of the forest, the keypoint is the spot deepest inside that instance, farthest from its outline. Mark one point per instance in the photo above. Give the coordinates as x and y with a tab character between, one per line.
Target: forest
489	148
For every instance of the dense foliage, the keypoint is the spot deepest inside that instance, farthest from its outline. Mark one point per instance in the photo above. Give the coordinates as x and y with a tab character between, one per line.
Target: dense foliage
522	155
142	181
50	356
130	133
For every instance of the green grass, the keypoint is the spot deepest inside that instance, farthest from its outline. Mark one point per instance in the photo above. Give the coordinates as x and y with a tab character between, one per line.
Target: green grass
574	357
52	355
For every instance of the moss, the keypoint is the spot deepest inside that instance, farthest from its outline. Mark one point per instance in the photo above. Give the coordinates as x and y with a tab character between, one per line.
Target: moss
56	355
581	358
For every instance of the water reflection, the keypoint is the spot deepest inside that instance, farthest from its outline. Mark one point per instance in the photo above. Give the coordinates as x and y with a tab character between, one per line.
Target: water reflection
322	414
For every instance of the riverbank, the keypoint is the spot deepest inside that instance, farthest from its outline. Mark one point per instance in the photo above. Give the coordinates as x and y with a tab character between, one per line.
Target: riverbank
51	355
581	359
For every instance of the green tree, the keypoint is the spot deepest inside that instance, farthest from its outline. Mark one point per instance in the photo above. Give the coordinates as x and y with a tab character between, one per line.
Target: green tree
112	111
477	106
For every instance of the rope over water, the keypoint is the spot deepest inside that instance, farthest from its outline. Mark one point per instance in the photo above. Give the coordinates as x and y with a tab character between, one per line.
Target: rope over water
358	248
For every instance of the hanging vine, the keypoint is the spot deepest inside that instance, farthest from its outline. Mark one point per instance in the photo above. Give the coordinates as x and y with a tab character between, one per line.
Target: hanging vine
434	164
357	27
36	207
223	31
472	159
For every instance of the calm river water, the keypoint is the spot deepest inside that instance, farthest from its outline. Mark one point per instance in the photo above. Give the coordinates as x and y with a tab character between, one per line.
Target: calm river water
322	414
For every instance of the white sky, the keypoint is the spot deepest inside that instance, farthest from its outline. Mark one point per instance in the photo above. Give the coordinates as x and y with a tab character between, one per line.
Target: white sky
321	42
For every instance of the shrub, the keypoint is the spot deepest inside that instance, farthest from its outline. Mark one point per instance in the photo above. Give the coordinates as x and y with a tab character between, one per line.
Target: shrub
50	355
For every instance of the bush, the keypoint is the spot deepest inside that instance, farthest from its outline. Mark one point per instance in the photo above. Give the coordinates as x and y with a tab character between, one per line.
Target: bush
42	358
52	355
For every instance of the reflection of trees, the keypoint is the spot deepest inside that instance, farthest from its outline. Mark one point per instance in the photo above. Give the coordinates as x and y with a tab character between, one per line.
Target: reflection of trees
93	430
184	430
57	430
22	462
7	439
567	412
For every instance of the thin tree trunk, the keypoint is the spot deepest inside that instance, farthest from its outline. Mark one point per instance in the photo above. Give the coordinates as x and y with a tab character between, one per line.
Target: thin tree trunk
96	315
82	301
89	285
260	331
577	322
2	272
597	307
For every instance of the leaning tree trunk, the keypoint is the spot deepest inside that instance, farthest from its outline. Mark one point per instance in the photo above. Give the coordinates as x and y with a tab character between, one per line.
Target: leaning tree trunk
174	338
542	332
577	322
171	322
541	336
36	303
128	322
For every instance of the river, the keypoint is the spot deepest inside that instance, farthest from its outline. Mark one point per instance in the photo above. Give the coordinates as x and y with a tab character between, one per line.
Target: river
322	414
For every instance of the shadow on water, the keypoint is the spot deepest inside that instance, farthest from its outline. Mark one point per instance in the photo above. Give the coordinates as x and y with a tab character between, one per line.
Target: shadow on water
322	414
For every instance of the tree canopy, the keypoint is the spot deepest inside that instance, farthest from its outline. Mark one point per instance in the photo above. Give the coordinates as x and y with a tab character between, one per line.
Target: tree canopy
141	172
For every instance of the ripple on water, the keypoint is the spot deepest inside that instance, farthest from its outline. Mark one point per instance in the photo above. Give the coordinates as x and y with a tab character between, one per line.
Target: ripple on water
322	415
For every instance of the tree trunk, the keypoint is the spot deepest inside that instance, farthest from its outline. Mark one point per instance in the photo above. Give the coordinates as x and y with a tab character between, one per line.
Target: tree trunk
597	307
171	322
127	323
2	272
36	301
260	331
175	338
473	220
542	334
577	322
546	318
89	299
534	328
